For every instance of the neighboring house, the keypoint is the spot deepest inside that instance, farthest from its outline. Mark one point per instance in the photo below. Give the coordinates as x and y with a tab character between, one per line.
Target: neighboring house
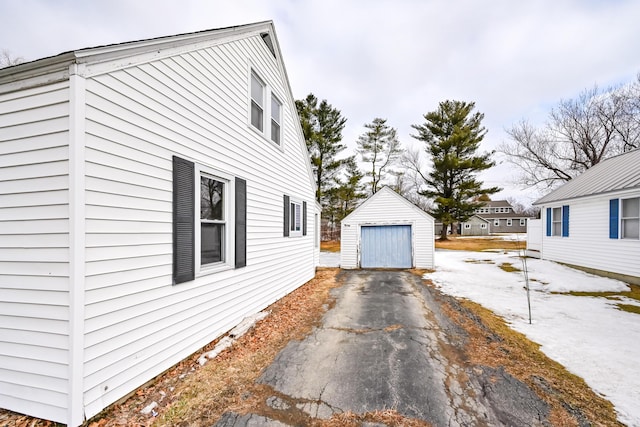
476	226
593	221
387	231
152	195
495	217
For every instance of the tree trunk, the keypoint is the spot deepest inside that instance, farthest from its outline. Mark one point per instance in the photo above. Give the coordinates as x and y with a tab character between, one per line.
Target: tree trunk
443	232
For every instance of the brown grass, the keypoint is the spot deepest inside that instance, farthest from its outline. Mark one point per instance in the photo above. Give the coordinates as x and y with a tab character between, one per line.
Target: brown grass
330	246
493	343
471	244
632	293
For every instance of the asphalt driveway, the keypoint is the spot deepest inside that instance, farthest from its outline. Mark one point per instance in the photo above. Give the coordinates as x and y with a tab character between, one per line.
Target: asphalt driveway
385	345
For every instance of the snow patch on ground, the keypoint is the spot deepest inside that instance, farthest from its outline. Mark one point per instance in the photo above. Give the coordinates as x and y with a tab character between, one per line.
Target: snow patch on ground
588	335
329	259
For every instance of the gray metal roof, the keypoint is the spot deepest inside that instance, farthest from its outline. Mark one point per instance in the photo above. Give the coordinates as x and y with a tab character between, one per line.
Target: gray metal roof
621	172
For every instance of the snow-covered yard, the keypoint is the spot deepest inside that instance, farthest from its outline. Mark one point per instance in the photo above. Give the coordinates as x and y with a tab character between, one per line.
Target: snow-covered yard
588	335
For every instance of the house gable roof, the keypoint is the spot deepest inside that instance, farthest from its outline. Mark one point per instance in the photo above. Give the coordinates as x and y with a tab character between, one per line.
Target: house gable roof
103	59
621	172
388	191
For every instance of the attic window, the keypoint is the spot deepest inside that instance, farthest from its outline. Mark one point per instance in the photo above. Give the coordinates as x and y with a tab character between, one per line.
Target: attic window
266	38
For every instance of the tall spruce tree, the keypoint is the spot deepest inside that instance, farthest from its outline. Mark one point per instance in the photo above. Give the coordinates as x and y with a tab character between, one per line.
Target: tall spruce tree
380	148
322	125
452	135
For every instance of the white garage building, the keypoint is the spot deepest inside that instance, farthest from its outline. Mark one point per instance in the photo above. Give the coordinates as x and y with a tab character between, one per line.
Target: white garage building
387	231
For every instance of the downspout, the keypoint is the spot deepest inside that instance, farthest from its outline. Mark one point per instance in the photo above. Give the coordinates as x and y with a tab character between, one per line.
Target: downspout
77	112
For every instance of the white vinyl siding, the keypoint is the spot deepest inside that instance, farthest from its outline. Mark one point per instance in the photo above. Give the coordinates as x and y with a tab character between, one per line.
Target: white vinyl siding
388	208
192	105
590	244
34	254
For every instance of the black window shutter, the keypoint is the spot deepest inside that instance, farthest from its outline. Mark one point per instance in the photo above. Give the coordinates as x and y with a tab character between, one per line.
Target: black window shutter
183	220
304	218
241	223
286	216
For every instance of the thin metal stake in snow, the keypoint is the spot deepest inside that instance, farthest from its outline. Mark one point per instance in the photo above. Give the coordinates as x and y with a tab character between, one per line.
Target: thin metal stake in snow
525	272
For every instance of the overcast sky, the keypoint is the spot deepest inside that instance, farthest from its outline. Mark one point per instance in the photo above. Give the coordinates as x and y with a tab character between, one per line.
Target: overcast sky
394	59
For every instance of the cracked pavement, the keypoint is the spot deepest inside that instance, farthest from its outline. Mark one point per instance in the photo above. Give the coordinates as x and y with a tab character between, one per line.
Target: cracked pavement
386	345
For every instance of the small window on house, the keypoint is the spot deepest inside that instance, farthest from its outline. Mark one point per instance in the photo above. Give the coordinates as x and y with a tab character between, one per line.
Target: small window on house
467	226
509	222
295	218
556	222
212	220
483	226
496	222
257	102
630	218
276	114
496	210
523	222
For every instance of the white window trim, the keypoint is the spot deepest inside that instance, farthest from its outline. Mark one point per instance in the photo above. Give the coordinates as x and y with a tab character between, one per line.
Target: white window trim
228	214
483	226
467	225
496	223
622	219
554	222
509	222
272	119
298	203
523	222
267	94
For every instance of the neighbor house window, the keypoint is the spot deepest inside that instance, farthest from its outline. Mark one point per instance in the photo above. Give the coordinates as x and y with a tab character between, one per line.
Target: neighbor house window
276	114
558	221
212	220
523	222
509	222
467	226
483	226
496	222
257	102
630	218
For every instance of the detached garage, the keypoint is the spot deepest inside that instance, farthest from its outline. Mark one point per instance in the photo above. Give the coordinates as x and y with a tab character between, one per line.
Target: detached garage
387	231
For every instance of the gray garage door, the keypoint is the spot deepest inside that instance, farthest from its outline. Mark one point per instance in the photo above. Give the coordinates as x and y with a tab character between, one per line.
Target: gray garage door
385	246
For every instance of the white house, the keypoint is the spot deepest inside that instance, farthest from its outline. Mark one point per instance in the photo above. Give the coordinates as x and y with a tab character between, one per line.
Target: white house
593	221
152	195
387	230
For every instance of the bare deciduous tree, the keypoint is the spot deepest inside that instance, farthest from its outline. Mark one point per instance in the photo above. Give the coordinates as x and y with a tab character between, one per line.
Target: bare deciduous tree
579	134
7	59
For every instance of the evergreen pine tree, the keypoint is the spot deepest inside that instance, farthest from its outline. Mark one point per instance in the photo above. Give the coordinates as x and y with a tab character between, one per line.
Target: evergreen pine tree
452	135
379	146
322	126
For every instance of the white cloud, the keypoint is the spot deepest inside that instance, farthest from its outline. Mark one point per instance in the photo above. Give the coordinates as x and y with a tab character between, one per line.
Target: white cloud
382	58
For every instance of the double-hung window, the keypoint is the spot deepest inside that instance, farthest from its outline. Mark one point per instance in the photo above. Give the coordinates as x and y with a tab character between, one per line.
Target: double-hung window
266	109
509	222
209	221
523	222
630	218
496	223
558	221
276	118
213	201
257	102
295	217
